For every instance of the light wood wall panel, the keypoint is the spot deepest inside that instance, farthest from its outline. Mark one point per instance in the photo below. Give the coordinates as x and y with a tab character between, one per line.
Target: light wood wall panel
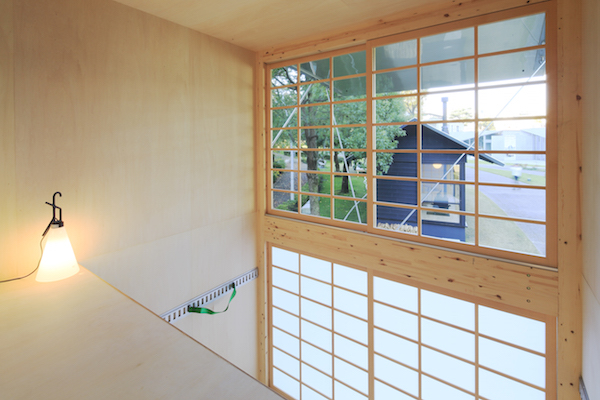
591	197
146	129
8	201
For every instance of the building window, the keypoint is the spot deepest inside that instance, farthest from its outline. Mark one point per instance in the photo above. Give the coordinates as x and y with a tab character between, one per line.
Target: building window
347	333
437	135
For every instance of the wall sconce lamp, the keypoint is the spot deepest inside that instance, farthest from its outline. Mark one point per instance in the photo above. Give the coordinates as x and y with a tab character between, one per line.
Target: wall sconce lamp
58	259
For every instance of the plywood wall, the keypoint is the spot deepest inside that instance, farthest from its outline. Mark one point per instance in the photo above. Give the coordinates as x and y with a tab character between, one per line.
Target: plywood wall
591	198
146	129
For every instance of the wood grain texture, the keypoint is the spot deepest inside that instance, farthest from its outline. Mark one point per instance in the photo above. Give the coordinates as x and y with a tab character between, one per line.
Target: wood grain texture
500	282
591	196
422	16
146	129
99	344
569	246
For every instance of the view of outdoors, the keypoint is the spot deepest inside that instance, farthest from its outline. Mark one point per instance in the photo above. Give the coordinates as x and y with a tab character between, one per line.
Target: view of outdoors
442	136
415	344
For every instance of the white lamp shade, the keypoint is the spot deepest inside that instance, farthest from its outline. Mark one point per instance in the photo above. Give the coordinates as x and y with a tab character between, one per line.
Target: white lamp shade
58	260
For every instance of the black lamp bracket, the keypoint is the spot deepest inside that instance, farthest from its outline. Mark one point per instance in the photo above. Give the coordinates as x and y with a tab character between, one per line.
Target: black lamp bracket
58	221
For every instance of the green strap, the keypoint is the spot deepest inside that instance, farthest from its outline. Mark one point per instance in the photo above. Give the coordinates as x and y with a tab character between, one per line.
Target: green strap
203	310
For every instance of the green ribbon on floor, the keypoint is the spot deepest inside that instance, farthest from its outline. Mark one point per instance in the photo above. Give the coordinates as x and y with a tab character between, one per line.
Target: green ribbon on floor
204	310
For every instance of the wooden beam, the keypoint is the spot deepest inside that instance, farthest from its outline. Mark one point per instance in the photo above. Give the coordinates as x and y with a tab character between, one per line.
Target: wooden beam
416	18
504	283
569	122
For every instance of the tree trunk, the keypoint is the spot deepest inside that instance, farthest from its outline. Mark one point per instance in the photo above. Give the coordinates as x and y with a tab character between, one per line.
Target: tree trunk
312	162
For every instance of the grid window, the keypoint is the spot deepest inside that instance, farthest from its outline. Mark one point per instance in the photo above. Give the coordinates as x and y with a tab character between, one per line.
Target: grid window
345	333
445	136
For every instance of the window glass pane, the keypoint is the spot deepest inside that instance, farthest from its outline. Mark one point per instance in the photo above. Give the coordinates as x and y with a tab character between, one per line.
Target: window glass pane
513	202
315	290
350	113
317	206
286	342
315	161
350	210
396	55
308	393
399	109
450	167
317	183
316	313
515	135
447	339
448	226
350	278
513	362
444	197
344	392
397	375
285	201
350	89
285	180
516	169
396	82
316	335
285	280
286	384
396	321
351	376
449	369
286	301
284	117
316	138
282	97
284	76
317	380
349	64
395	164
317	358
350	186
316	268
448	106
284	159
284	138
434	389
513	101
512	328
315	115
397	219
286	363
351	303
314	70
385	392
388	137
448	45
286	322
349	138
351	327
448	135
398	192
395	294
314	93
496	387
284	259
351	351
448	309
452	75
401	350
512	34
512	68
513	236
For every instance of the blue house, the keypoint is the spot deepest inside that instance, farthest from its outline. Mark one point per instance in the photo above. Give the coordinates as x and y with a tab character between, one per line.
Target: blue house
437	198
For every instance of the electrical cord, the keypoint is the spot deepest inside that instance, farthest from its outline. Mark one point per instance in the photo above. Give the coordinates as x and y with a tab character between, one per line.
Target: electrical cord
36	268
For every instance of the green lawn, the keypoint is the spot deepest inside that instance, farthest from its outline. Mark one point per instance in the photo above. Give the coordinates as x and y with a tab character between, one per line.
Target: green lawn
529	179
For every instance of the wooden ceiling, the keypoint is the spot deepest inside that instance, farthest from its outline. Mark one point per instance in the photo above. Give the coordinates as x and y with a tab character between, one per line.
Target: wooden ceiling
269	24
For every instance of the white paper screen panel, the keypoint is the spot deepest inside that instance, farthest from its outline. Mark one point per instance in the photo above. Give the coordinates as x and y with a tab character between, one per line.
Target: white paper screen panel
340	332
